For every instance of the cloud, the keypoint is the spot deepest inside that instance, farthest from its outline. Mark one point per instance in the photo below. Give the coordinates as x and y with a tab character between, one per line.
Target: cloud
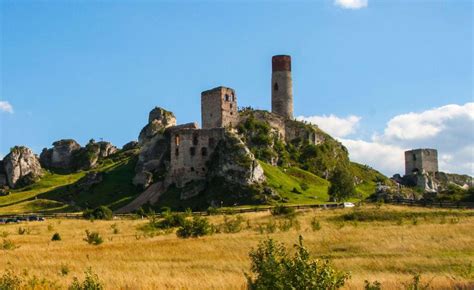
6	107
449	129
351	4
336	126
385	158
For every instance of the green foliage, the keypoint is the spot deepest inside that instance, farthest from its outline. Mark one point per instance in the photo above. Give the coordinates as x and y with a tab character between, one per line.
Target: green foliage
273	268
8	245
91	282
99	213
342	184
372	215
283	210
56	237
315	224
198	226
415	283
10	281
93	238
376	285
232	225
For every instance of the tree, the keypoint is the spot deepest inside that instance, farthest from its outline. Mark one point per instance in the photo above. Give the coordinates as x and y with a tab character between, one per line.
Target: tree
342	184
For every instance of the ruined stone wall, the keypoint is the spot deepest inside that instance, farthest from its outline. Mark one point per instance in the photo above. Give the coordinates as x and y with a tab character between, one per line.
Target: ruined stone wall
219	108
190	150
282	86
421	160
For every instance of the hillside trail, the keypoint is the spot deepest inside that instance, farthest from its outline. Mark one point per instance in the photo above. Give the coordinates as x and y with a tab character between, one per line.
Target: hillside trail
151	195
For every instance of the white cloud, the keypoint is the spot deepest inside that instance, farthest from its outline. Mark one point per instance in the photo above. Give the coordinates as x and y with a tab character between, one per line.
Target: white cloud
382	157
351	4
449	129
335	126
6	107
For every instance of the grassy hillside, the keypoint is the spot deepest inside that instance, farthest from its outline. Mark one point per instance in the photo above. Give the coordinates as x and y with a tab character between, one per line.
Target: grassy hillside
60	192
389	248
296	185
366	179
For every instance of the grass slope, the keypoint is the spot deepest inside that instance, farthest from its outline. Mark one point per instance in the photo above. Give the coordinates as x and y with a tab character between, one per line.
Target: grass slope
288	182
59	192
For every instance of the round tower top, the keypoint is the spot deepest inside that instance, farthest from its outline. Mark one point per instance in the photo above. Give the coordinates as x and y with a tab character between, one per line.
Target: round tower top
281	63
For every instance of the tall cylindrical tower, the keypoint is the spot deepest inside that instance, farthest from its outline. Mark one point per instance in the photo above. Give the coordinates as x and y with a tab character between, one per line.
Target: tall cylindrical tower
282	86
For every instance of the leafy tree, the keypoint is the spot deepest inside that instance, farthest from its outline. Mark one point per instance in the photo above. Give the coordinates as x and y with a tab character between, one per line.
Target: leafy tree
342	184
273	268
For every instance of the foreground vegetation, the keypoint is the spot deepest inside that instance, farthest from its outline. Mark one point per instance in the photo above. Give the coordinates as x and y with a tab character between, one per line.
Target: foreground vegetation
387	244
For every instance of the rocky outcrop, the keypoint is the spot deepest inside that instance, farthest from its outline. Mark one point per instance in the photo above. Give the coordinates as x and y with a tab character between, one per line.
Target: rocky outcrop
154	143
61	156
234	162
158	120
130	146
3	175
68	155
21	167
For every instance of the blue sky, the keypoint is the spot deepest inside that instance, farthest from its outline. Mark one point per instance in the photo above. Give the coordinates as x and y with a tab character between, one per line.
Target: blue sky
85	69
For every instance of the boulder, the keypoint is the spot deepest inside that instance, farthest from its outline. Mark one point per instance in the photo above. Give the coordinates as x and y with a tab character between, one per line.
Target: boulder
22	167
91	179
61	156
106	149
143	179
130	145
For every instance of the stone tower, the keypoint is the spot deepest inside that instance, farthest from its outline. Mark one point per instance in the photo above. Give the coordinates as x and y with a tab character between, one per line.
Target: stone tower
282	86
219	108
421	161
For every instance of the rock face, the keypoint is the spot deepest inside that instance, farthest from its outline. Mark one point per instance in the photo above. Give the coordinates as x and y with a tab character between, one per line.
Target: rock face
61	155
70	156
130	145
158	120
3	175
233	161
21	166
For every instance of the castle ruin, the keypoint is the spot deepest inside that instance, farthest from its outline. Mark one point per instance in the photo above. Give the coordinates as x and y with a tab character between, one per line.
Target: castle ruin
282	86
421	161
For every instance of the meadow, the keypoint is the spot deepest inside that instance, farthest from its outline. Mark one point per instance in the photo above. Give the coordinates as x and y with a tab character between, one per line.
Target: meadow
389	244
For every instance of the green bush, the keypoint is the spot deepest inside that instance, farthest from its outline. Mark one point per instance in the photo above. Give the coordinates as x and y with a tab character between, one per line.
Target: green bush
196	227
10	281
375	286
93	238
315	224
342	184
56	237
233	225
283	210
273	268
8	245
91	282
99	213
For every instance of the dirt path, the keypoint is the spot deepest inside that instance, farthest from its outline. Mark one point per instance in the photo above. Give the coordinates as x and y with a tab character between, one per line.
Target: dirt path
151	194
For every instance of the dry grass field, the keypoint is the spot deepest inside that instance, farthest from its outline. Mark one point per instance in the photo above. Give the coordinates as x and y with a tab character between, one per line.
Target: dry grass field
435	244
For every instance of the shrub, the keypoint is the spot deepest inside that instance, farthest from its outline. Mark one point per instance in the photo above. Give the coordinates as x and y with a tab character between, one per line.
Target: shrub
273	268
304	186
212	210
22	231
286	224
115	229
91	282
56	237
169	220
375	286
315	224
283	210
10	281
99	213
233	225
64	270
8	245
416	284
196	227
93	238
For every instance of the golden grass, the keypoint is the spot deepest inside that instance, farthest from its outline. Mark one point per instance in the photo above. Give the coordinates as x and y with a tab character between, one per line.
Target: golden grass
442	253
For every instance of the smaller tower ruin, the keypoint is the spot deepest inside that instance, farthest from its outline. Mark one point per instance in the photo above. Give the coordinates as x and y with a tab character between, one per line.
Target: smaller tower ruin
421	161
219	108
282	86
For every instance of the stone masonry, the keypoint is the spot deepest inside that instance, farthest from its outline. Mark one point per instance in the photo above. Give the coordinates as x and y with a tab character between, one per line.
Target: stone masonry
219	108
190	150
282	86
421	161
